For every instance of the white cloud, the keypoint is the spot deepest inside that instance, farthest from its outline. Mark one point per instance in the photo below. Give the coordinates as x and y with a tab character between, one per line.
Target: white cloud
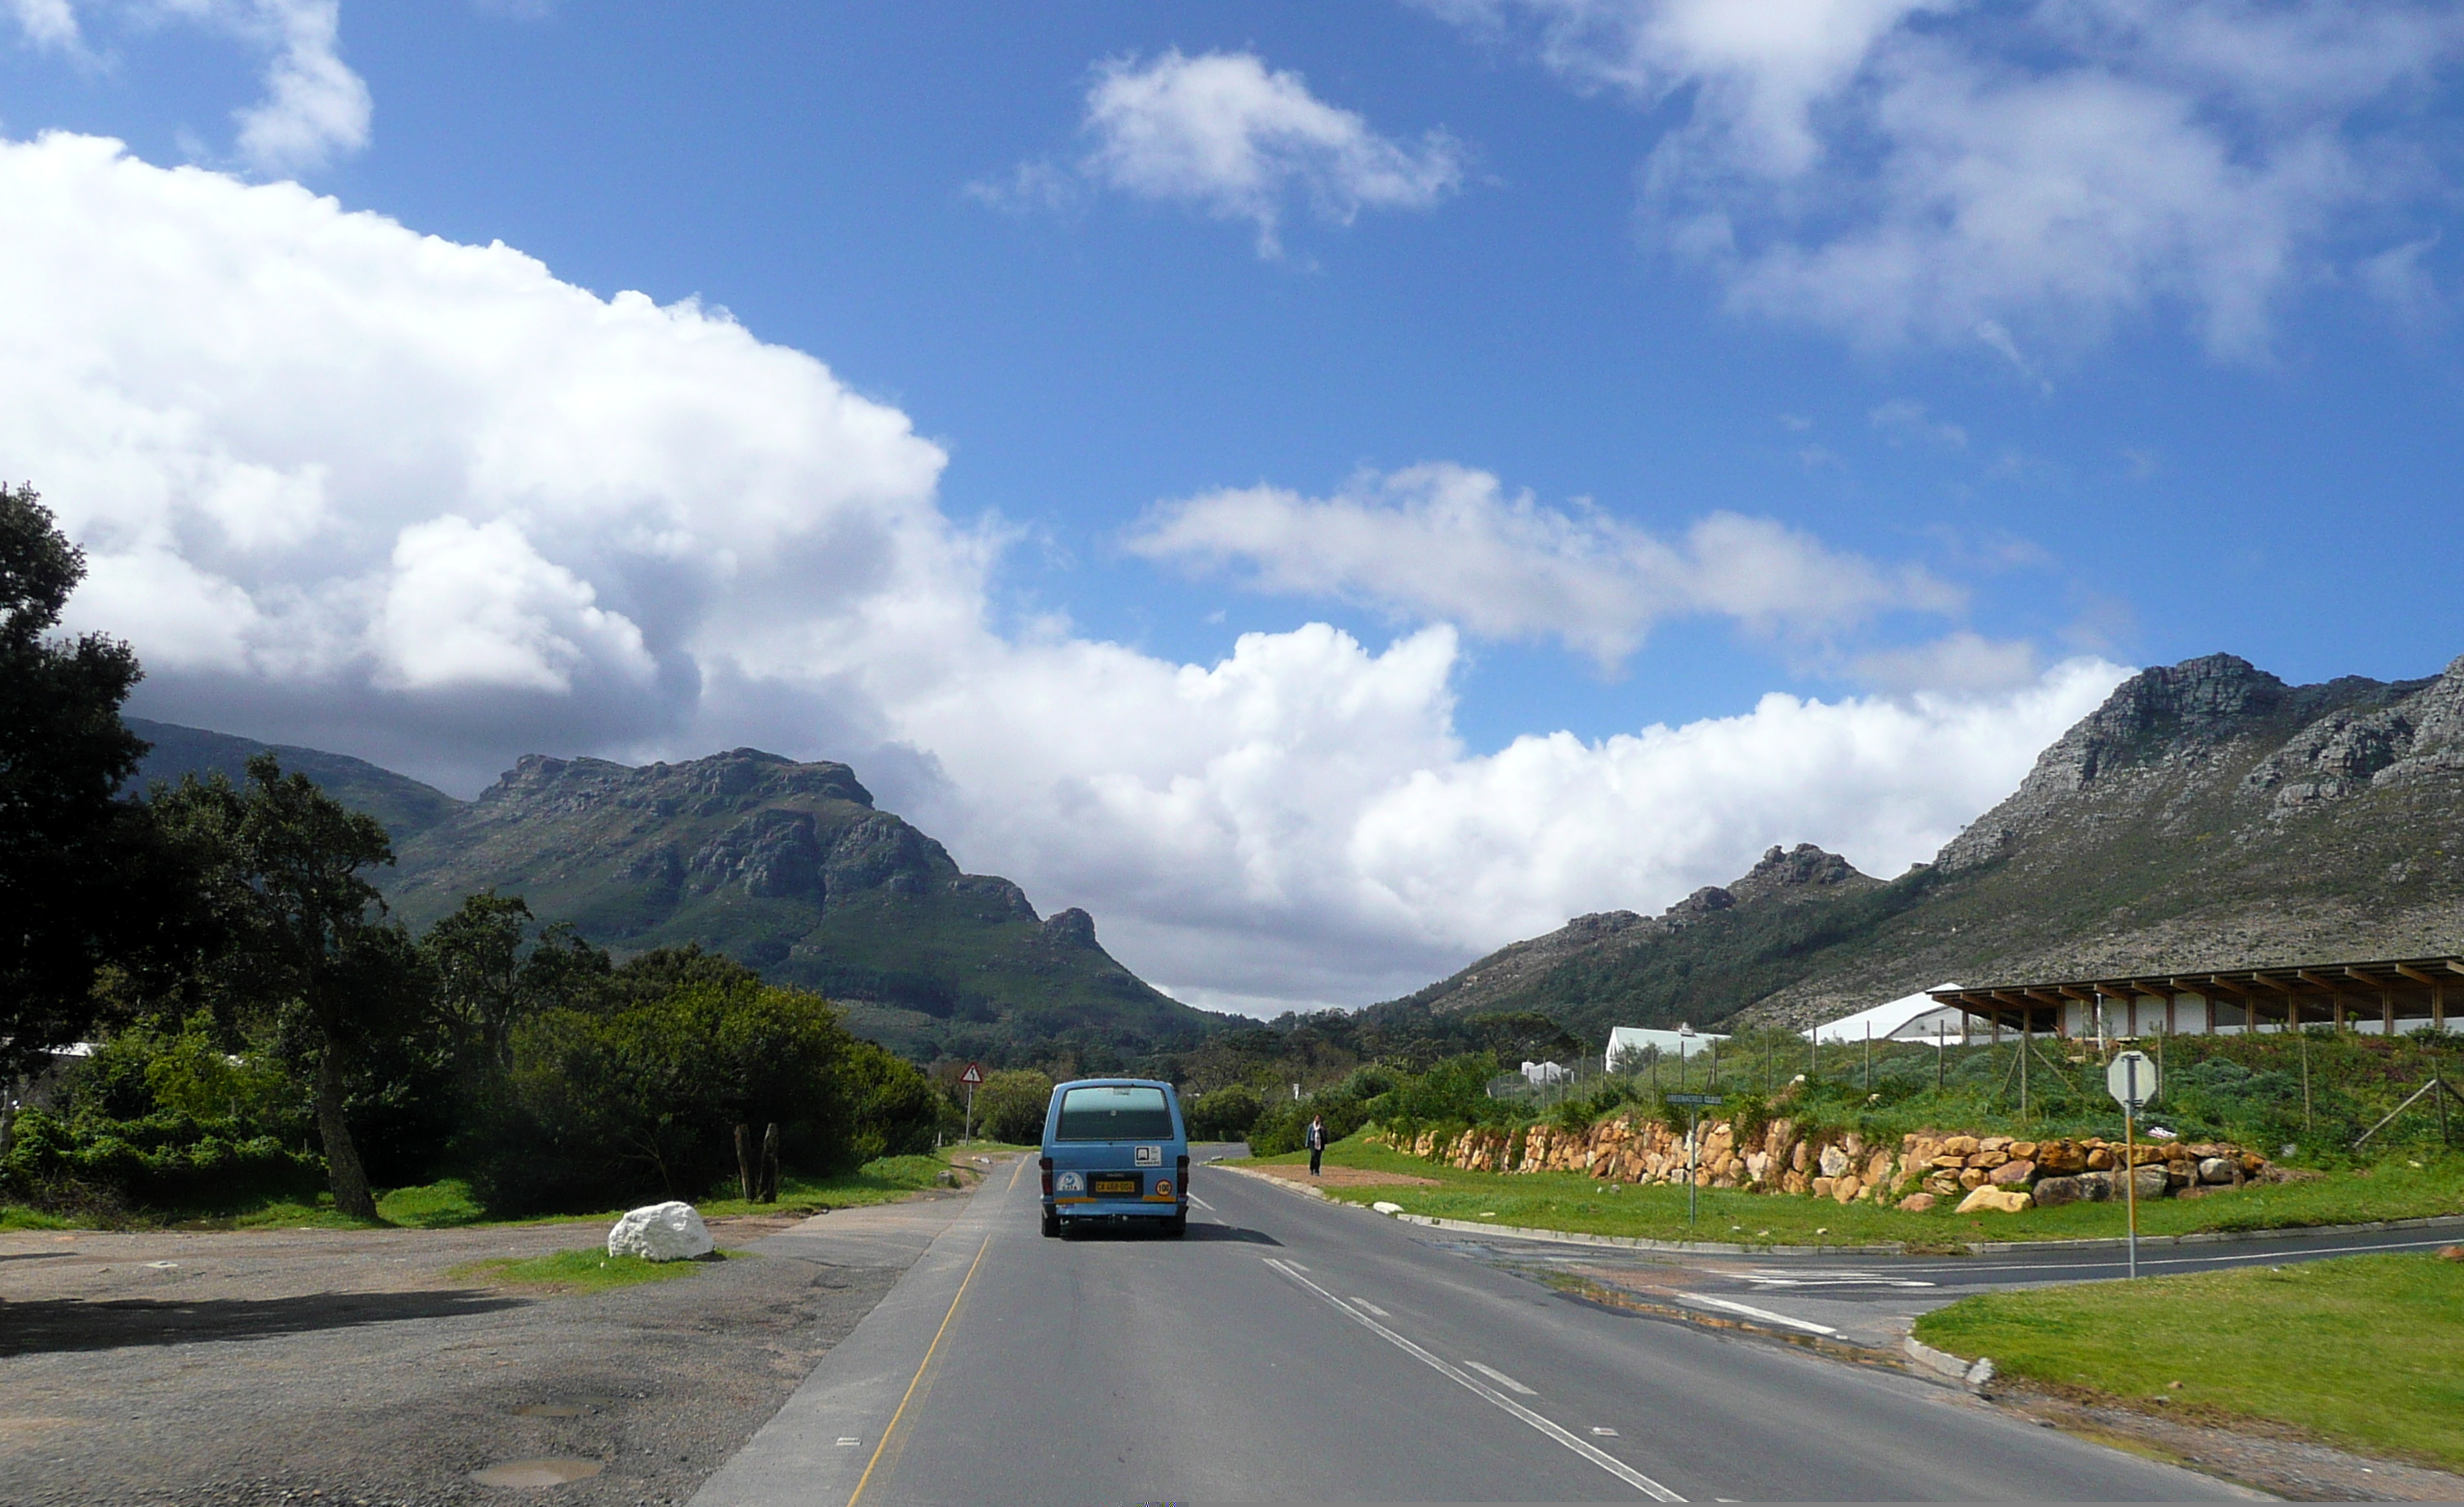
315	106
1222	134
1906	418
1441	541
1935	169
48	24
352	487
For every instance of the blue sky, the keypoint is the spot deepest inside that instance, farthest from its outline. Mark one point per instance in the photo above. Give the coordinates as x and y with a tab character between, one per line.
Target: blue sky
2017	343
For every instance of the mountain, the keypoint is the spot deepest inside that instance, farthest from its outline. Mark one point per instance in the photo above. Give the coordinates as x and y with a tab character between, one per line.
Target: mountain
1701	960
405	806
2209	814
790	869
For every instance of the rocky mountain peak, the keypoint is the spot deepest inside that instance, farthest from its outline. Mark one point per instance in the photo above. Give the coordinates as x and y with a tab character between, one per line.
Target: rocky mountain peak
1802	867
1071	928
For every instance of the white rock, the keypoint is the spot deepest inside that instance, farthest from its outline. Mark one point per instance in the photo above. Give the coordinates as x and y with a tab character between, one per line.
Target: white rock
669	1232
1384	1208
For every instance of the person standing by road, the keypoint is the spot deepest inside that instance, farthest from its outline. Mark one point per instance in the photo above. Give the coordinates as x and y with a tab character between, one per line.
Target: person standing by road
1316	1138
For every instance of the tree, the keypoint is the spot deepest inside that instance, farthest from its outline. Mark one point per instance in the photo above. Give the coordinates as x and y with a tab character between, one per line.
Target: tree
640	1094
1010	1105
486	983
301	930
64	838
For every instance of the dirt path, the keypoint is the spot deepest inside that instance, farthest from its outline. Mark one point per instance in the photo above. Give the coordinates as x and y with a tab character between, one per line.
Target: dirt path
269	1366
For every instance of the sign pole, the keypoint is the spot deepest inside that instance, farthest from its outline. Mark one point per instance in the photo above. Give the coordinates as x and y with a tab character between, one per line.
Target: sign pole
1693	1150
972	1076
2132	1079
2130	1157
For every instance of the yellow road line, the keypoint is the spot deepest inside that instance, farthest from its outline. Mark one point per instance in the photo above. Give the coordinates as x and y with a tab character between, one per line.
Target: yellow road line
891	1433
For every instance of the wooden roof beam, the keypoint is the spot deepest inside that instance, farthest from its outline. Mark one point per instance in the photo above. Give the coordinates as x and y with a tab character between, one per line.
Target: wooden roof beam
2415	975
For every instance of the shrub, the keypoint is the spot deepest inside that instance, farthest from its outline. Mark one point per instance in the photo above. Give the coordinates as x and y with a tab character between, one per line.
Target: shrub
642	1097
1226	1114
1010	1105
163	1159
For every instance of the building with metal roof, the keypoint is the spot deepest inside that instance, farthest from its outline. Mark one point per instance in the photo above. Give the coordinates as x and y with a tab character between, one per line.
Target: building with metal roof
2378	995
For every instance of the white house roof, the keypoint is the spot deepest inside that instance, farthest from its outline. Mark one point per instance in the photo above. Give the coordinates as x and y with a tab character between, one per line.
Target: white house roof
1909	1017
1682	1042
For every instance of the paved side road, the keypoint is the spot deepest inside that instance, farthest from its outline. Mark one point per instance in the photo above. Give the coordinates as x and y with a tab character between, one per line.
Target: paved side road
1291	1350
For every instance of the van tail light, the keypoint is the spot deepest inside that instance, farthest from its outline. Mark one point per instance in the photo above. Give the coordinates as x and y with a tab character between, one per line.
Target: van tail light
1183	1168
1046	1164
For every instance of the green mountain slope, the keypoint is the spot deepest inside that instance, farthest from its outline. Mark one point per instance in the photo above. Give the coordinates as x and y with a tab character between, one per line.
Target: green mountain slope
1701	961
788	868
2207	815
405	806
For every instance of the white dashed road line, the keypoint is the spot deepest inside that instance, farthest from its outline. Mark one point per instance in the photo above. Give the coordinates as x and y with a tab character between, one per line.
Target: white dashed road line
1472	1384
1502	1378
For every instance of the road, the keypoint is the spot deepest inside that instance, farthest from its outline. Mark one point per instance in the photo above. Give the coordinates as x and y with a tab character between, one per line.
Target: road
1868	1299
1290	1349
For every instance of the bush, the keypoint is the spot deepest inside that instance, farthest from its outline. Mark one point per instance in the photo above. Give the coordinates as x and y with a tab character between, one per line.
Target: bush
1226	1114
1010	1105
165	1159
641	1099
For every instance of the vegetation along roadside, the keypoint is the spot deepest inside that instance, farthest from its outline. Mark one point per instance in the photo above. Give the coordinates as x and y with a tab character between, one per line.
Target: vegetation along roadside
2366	1351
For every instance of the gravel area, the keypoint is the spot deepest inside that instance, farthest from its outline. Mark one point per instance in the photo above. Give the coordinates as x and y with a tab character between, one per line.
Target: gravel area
350	1366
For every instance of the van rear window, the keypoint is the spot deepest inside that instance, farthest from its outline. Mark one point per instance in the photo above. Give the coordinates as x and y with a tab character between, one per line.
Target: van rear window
1115	1112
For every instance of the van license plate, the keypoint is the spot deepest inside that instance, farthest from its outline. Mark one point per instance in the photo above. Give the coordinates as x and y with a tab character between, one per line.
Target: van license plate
1127	1186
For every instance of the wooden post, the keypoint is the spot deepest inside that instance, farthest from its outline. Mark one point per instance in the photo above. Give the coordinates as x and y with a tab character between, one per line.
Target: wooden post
770	1164
744	1163
2027	1043
1869	1057
2306	1080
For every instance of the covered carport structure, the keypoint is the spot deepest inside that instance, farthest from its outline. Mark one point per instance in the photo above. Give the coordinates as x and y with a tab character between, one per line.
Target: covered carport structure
2381	994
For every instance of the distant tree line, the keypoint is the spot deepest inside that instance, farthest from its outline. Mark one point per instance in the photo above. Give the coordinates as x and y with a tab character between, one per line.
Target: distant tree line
262	1023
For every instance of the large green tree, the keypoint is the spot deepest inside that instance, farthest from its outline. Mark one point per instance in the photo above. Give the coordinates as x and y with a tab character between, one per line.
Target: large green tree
68	848
487	980
300	932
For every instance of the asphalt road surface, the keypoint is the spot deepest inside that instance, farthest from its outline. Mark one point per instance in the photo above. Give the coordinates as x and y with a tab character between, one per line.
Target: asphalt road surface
1869	1300
1291	1350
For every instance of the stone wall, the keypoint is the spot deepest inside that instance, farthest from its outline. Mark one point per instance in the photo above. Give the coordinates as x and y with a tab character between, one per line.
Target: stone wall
1984	1172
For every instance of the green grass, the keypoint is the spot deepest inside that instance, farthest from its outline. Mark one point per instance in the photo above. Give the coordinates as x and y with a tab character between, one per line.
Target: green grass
14	1217
449	1204
2397	1190
589	1271
2366	1351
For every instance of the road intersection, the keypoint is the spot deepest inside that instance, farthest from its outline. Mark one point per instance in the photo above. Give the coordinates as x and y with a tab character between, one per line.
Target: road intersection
1294	1349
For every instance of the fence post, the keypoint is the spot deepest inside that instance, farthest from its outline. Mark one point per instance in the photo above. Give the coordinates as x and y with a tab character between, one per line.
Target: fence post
770	1164
744	1163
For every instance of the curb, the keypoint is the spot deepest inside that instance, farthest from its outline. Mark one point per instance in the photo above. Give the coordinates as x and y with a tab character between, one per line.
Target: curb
1970	1374
1982	1248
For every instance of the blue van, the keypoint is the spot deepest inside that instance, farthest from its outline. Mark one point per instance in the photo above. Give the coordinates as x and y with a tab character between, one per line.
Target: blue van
1115	1149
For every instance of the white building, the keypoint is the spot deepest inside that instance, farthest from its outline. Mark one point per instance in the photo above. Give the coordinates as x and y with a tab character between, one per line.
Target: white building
1910	1018
1681	1043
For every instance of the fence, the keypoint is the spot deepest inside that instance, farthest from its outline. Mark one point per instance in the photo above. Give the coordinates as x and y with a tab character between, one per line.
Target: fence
2335	1090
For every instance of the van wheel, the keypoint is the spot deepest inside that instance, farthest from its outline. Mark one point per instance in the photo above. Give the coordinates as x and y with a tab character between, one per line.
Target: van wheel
1176	1226
1052	1227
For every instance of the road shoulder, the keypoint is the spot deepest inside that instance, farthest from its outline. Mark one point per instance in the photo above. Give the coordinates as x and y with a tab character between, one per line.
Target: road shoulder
835	1423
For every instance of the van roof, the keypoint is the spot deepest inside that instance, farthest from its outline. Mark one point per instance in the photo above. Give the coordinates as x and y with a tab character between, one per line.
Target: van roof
1113	1083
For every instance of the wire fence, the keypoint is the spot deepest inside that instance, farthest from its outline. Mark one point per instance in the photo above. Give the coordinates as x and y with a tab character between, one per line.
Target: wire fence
2337	1092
